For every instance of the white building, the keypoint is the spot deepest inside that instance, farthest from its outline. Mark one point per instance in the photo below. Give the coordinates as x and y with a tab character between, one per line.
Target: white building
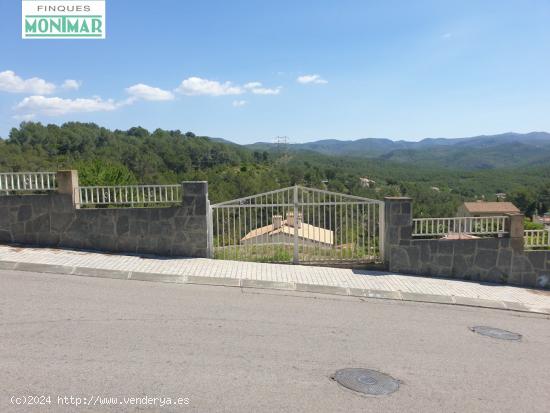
366	182
542	219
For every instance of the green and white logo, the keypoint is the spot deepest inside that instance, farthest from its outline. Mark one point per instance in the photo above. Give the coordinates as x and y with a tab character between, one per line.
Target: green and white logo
63	19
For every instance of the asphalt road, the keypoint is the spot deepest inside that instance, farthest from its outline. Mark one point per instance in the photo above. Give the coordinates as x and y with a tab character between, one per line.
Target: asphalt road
226	349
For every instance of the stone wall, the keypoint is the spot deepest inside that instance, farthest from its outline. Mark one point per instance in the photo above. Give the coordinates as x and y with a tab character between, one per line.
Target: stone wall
501	260
52	220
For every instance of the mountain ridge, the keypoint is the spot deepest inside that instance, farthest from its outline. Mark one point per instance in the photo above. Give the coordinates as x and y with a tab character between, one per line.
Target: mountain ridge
475	152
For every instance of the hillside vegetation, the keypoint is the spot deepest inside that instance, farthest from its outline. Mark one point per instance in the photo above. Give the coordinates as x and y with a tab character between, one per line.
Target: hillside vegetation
481	152
105	157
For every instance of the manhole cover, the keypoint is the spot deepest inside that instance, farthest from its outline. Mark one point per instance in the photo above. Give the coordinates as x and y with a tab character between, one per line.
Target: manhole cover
496	333
366	381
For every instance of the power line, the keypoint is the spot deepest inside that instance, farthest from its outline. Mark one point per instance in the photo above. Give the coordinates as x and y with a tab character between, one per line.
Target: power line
281	145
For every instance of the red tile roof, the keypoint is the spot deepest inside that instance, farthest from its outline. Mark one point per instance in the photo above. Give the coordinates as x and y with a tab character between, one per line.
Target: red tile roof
488	207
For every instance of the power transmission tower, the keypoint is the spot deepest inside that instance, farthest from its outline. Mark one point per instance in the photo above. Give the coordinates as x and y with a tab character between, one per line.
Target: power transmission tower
281	145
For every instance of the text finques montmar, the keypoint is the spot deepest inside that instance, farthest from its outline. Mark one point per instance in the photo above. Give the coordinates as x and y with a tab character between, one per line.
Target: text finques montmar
54	19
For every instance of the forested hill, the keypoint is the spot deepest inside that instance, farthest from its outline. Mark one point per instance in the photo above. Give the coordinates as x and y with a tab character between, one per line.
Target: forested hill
479	152
105	157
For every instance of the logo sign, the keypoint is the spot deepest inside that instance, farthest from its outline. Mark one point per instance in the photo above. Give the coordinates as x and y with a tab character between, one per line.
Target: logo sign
63	19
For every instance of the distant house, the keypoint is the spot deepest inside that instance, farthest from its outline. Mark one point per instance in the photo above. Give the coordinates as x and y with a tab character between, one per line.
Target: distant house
366	182
486	209
542	219
282	231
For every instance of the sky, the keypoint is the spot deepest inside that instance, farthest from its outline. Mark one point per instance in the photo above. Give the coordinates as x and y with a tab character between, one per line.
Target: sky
248	71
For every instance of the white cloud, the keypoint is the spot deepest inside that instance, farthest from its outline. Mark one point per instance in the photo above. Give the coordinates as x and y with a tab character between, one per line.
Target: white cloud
258	89
252	85
37	104
266	91
55	106
71	84
10	82
314	79
195	86
145	92
447	35
24	118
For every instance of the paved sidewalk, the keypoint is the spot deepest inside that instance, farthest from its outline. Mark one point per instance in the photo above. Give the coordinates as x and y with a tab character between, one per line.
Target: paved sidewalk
360	283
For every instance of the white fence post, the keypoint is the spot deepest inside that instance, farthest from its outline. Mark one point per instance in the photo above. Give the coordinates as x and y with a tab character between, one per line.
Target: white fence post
210	229
129	195
434	227
537	238
382	230
27	181
296	223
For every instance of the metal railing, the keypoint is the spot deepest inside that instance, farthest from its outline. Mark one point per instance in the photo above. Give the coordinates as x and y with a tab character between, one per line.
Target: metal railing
27	181
537	238
436	227
298	225
129	195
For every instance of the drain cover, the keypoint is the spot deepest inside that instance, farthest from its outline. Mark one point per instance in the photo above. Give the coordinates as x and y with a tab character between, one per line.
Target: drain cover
366	381
496	333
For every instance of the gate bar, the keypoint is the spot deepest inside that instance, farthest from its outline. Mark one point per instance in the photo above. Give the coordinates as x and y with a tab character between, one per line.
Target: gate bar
296	223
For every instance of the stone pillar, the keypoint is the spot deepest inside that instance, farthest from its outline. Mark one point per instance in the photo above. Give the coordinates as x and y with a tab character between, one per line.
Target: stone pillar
197	206
195	196
515	229
67	183
515	225
397	225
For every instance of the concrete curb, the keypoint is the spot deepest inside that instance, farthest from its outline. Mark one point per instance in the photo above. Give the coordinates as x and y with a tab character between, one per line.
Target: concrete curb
270	285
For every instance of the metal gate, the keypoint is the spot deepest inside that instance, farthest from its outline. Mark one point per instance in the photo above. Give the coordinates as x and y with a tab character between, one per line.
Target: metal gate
298	225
